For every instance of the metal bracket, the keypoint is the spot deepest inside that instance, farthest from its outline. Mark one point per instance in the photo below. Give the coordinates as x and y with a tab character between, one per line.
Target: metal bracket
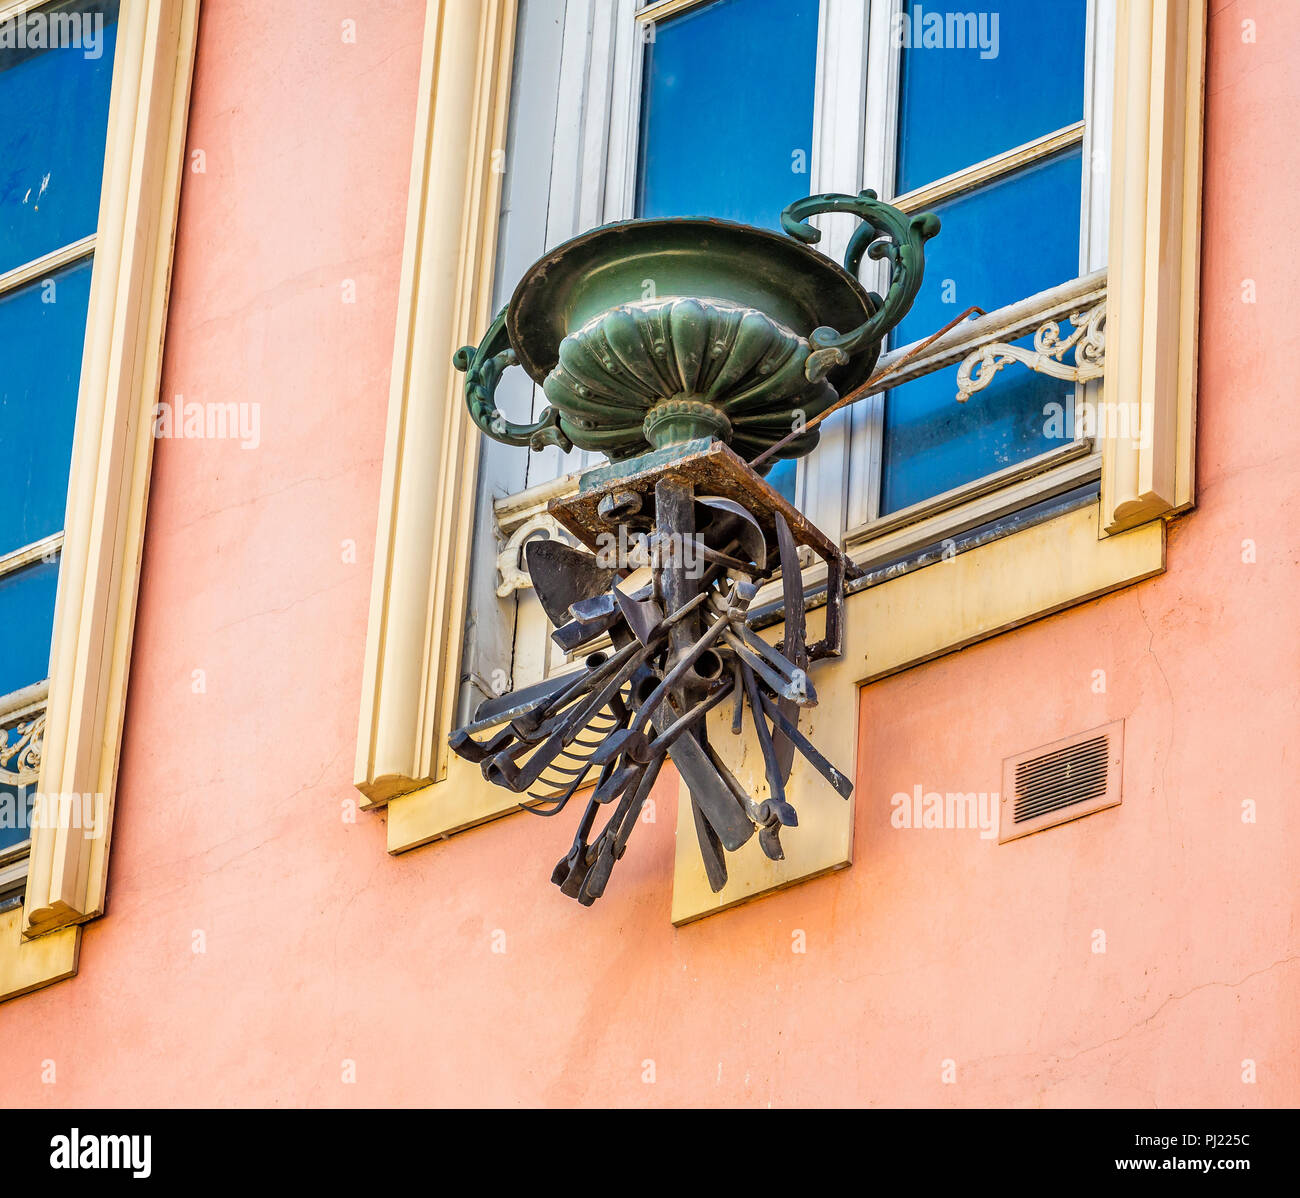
20	758
1086	343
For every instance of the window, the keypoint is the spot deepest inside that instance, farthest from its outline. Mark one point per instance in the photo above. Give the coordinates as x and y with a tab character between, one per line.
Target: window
992	138
996	119
56	70
576	75
95	96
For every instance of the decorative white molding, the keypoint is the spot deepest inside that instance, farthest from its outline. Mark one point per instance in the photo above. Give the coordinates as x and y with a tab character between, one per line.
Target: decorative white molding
108	492
512	510
1155	242
22	714
1086	345
1003	324
510	561
427	494
519	519
20	760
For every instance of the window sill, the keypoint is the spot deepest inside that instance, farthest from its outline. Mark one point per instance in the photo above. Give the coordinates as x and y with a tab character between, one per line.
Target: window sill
27	965
988	498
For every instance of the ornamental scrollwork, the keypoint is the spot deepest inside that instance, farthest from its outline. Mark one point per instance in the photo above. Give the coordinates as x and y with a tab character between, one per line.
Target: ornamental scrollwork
1085	345
20	750
484	365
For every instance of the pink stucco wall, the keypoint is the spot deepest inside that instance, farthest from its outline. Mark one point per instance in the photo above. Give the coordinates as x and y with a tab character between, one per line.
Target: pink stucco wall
940	945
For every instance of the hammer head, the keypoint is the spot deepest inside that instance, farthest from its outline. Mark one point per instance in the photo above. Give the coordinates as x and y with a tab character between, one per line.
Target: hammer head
629	741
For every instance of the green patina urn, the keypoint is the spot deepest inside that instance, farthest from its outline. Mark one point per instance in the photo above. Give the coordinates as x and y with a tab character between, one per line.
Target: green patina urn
650	333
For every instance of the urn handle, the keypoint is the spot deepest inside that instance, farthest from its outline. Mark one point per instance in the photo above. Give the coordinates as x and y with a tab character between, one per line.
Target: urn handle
484	365
885	233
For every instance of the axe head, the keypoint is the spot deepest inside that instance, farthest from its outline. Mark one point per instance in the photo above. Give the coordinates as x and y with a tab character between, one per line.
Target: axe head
629	741
563	575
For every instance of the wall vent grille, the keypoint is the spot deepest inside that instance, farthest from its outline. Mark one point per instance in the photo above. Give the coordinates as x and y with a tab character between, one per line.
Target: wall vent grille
1062	781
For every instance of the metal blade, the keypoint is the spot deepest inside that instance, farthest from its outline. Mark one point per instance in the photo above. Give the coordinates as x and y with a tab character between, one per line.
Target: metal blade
742	525
643	616
780	684
594	607
775	783
715	864
838	780
794	675
769	840
563	575
575	633
711	794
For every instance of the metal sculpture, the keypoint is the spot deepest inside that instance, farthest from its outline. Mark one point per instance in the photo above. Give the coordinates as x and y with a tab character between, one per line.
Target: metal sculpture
736	355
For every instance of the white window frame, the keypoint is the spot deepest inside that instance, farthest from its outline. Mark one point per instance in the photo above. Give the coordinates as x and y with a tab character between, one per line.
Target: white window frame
26	706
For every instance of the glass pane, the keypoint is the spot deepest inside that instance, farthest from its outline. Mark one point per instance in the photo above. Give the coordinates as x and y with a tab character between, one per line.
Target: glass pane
1000	243
55	105
783	475
27	616
42	328
727	110
978	80
933	443
15	806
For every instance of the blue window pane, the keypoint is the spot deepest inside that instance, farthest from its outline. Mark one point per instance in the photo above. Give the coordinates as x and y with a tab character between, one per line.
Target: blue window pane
55	105
42	329
27	616
933	443
727	110
15	808
782	476
1000	243
977	80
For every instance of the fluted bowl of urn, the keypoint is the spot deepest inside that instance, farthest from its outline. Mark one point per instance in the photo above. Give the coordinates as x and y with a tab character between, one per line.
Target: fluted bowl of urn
646	334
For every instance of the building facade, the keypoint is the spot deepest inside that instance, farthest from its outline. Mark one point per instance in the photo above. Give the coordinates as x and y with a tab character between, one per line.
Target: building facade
288	566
